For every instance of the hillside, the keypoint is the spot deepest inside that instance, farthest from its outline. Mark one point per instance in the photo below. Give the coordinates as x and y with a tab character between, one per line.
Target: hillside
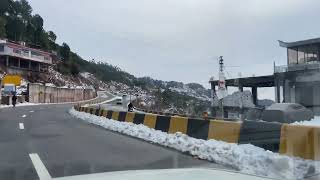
17	23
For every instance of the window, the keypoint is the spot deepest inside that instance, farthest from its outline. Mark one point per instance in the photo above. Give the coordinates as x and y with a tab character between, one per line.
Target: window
311	57
292	56
1	47
35	53
17	51
25	52
311	54
301	57
46	58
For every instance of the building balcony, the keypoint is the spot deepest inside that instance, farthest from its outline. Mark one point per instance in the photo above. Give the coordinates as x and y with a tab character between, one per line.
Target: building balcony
28	56
23	52
296	67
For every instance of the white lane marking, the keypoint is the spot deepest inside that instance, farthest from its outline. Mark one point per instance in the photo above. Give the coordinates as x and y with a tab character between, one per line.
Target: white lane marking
31	111
39	166
24	116
21	125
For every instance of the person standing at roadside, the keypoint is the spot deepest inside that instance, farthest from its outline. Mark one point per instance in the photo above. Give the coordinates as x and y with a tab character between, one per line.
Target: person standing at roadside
130	107
14	99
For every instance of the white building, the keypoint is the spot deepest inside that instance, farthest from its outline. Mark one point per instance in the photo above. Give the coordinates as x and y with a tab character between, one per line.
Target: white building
16	58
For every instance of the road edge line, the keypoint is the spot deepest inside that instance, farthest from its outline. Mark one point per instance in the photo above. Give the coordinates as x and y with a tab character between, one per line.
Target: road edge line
21	125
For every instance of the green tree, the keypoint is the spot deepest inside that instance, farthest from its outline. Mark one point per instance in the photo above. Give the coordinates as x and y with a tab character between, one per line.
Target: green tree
29	34
4	6
37	23
24	9
65	52
74	68
15	28
2	27
52	36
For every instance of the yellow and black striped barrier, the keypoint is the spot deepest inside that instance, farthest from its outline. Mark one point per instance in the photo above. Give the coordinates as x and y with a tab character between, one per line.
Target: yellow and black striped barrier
292	140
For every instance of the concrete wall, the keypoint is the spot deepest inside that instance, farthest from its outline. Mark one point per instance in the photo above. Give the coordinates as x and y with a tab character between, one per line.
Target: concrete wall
301	87
43	94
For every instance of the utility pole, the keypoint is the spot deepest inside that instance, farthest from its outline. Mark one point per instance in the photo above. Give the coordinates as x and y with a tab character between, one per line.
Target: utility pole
222	91
220	73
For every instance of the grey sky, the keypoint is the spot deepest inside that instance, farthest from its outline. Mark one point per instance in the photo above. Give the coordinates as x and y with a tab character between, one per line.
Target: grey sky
181	39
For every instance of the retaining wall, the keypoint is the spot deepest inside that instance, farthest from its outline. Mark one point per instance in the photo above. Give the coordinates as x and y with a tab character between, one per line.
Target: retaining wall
292	140
44	94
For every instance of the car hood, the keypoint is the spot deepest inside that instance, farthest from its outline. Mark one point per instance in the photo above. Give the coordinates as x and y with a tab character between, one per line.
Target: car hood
167	174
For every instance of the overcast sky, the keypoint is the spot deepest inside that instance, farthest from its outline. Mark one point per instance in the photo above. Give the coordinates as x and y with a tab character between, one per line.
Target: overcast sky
181	39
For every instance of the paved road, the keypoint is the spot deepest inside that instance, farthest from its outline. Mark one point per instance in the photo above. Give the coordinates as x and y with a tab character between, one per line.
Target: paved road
68	146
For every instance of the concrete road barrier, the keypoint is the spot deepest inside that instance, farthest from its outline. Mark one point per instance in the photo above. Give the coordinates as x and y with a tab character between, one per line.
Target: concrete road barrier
292	140
224	131
301	141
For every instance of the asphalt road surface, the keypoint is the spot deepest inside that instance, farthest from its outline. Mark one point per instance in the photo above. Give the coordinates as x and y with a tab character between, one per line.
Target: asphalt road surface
69	146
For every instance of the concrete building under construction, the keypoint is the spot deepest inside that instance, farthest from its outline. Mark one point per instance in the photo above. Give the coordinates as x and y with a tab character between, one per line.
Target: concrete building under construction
296	82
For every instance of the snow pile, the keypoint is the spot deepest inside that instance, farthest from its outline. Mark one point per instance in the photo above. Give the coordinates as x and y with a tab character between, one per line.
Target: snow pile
313	122
57	76
22	89
57	79
24	82
236	99
2	75
245	158
19	104
190	92
86	74
49	85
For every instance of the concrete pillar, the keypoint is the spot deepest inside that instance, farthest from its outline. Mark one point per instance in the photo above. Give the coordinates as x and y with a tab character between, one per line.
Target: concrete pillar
241	102
284	91
292	94
278	92
7	61
225	114
19	64
213	112
213	93
29	65
254	95
240	88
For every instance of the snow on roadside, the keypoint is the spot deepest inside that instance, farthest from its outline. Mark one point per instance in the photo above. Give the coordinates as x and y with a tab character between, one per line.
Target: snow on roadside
86	74
245	158
19	104
313	122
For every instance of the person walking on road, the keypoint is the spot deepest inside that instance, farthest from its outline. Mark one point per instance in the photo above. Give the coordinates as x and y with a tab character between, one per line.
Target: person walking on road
14	99
130	107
